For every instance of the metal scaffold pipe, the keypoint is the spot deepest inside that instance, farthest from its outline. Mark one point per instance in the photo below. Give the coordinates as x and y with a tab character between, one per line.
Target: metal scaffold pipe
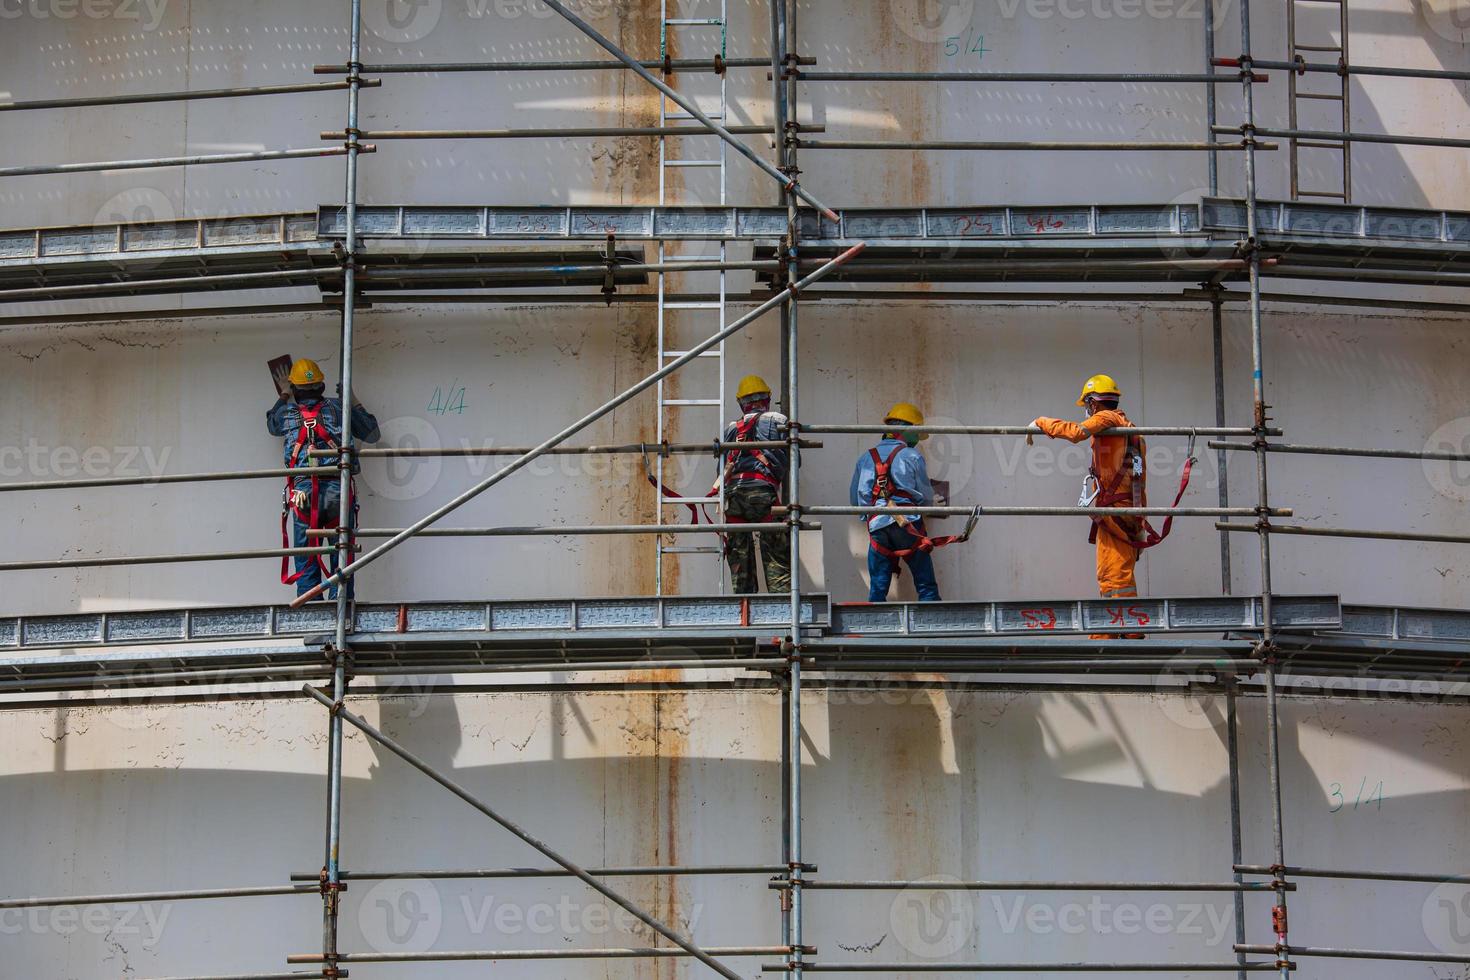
572	666
714	65
193	95
606	953
58	563
1279	447
267	279
571	430
1046	886
1407	876
1328	135
1302	67
557	531
1074	967
576	132
1358	954
340	712
1337	532
346	546
625	449
634	871
1043	511
181	161
1048	146
166	478
690	107
1031	430
162	896
1019	76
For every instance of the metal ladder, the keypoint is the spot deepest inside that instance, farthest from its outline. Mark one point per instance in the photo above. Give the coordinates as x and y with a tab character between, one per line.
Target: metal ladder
686	313
1299	53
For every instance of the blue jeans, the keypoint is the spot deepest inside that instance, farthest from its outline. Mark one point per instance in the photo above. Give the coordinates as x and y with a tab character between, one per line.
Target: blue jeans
308	565
881	568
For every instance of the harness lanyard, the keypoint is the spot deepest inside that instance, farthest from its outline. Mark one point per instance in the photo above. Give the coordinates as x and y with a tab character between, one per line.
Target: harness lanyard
883	489
1133	459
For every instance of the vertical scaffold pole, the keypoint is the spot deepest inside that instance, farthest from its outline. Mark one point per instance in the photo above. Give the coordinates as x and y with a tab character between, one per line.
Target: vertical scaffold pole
1237	851
785	24
1222	458
1211	100
1258	391
332	873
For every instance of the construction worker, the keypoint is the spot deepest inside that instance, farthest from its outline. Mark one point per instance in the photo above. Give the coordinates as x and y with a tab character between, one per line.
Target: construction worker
1115	479
890	475
753	479
308	420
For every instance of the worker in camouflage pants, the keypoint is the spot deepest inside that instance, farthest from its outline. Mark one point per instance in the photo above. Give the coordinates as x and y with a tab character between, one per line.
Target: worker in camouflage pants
753	480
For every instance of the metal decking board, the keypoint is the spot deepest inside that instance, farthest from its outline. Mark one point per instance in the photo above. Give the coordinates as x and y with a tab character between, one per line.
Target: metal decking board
1144	615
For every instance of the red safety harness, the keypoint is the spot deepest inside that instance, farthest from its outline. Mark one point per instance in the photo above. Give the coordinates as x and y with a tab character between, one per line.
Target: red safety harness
744	431
313	435
1134	454
885	491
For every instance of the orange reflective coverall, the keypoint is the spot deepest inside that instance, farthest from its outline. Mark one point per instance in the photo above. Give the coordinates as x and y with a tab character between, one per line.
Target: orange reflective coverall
1116	551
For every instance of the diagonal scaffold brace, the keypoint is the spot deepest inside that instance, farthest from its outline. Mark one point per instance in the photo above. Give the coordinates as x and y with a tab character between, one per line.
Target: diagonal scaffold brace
520	461
789	183
611	894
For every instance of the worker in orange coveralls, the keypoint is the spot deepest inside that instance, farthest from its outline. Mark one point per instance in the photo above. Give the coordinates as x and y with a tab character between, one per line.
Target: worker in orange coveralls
1115	479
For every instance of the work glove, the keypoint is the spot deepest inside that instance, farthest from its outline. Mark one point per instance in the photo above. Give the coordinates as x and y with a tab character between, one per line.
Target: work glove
299	499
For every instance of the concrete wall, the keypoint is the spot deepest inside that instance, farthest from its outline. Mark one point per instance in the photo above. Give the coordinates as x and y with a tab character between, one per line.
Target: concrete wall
975	786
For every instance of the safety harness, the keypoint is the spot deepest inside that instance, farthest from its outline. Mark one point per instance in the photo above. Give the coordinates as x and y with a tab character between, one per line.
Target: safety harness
313	435
887	492
1136	495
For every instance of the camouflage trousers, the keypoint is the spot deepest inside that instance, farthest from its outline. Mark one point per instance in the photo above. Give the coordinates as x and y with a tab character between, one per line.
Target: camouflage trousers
753	502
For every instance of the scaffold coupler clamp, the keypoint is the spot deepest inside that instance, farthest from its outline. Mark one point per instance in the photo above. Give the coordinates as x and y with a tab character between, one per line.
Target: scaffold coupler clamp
719	64
609	275
331	890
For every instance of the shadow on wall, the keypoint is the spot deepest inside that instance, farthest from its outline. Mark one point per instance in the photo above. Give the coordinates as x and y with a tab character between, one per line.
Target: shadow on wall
997	786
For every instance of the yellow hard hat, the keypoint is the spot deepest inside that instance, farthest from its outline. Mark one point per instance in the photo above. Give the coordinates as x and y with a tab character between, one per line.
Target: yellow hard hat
752	384
1098	384
306	372
906	412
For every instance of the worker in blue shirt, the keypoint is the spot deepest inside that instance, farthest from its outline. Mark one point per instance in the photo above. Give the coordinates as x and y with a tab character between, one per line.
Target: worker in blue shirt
888	476
307	421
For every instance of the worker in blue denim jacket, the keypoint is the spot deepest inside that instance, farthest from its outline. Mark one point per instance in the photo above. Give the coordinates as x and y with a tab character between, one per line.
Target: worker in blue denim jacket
308	421
888	476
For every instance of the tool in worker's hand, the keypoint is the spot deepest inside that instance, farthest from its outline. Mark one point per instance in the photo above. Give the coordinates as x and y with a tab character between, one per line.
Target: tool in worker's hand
280	368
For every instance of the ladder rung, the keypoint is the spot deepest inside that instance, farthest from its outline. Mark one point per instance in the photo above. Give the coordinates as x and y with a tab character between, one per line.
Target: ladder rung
692	402
1318	47
681	353
692	306
694	163
1318	145
696	550
691	500
685	115
1336	194
694	22
1315	95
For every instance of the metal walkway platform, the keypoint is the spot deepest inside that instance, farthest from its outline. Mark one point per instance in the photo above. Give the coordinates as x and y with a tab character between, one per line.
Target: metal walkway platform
182	647
1063	242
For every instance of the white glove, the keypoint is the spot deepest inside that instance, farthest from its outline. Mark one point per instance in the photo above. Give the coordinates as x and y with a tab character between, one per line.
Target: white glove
300	499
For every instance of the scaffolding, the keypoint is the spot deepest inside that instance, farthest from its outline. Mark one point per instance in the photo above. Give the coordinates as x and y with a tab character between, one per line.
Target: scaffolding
790	642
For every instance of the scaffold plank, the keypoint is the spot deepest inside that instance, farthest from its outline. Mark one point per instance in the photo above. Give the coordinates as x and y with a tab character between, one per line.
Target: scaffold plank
1144	615
134	628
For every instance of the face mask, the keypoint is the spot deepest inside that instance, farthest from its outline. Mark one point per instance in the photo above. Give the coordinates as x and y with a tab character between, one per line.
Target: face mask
911	439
